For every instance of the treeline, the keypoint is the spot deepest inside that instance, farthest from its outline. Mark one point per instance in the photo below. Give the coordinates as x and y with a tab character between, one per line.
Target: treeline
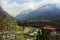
54	23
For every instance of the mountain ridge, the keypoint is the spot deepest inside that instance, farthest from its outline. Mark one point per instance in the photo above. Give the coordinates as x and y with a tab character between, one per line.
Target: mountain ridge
49	11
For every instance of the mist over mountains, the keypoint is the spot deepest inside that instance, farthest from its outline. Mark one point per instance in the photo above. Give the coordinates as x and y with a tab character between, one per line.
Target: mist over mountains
4	14
44	9
49	11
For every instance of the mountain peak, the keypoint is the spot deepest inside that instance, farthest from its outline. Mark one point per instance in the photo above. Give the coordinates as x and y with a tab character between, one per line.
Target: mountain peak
48	11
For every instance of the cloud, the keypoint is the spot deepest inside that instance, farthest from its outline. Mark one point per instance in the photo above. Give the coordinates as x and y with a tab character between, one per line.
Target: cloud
15	8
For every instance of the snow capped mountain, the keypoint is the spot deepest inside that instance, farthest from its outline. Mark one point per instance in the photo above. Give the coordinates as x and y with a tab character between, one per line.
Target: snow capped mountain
44	9
45	12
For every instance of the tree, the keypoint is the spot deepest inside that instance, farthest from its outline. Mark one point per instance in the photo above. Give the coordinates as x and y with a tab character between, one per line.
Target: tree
9	24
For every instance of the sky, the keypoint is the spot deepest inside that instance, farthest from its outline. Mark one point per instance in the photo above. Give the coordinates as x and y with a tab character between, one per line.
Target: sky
15	7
